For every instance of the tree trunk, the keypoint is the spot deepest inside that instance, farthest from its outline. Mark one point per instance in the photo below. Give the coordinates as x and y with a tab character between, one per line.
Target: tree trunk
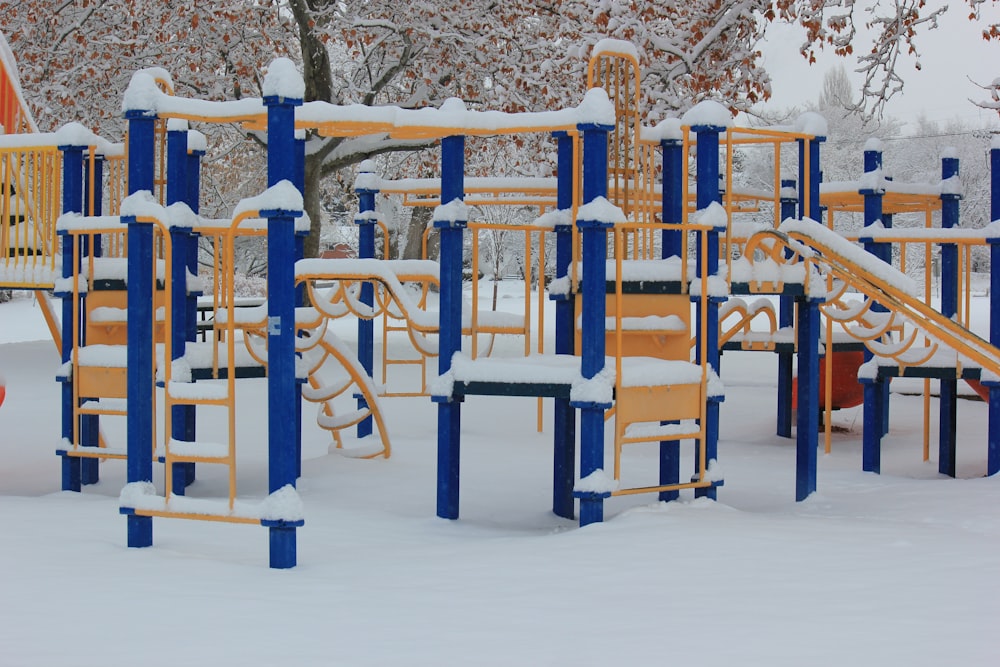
419	221
313	179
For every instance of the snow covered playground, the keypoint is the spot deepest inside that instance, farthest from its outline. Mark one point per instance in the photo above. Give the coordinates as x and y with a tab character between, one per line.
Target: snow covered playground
691	327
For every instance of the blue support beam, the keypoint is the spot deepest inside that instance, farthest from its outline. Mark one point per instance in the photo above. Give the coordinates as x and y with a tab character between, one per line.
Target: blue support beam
141	150
366	222
182	416
948	412
452	233
707	163
786	318
993	440
72	196
807	422
875	396
673	196
283	420
564	427
594	281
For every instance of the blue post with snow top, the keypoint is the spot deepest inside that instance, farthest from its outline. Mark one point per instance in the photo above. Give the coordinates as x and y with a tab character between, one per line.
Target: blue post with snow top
809	203
452	234
564	415
808	334
72	196
672	245
874	394
90	428
283	429
786	319
182	416
707	163
141	151
365	221
673	197
993	437
594	308
948	409
807	419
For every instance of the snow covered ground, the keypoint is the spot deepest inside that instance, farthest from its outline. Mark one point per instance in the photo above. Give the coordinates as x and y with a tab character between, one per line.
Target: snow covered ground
897	569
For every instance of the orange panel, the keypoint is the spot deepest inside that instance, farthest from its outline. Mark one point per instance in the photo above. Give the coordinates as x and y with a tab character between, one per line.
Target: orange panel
103	382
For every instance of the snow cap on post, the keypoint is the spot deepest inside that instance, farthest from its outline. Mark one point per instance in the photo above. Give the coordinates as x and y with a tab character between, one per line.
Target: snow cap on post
367	180
75	134
812	123
600	212
141	95
283	81
596	109
668	129
453	214
708	113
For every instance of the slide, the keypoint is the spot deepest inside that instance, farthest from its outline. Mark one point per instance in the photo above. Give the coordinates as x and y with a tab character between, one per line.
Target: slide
846	391
976	385
827	250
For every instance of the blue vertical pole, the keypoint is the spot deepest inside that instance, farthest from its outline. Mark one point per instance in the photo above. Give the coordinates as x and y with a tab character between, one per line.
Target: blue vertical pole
786	318
993	438
177	191
594	308
807	420
564	427
72	196
365	221
947	434
141	149
707	162
874	394
673	196
90	430
281	383
672	246
450	325
298	178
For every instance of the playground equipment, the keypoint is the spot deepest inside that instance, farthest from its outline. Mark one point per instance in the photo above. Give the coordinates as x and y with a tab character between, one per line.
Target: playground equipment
653	271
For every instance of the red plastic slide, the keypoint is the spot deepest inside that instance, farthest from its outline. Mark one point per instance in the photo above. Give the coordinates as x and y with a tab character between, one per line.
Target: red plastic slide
847	391
976	385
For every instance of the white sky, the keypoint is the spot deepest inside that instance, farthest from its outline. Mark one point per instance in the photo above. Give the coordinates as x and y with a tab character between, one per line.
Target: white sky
951	55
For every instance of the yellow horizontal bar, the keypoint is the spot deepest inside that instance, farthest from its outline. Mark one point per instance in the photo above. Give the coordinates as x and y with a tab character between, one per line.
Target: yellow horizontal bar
166	514
666	487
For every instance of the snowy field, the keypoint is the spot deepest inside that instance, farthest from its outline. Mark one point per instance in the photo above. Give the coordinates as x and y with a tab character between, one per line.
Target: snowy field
897	569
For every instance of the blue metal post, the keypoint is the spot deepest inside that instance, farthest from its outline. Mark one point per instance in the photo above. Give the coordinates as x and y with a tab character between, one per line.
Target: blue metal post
281	383
72	195
707	162
177	191
564	427
594	308
874	394
947	434
90	429
673	196
299	179
807	421
993	438
366	328
672	246
786	318
141	149
450	325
